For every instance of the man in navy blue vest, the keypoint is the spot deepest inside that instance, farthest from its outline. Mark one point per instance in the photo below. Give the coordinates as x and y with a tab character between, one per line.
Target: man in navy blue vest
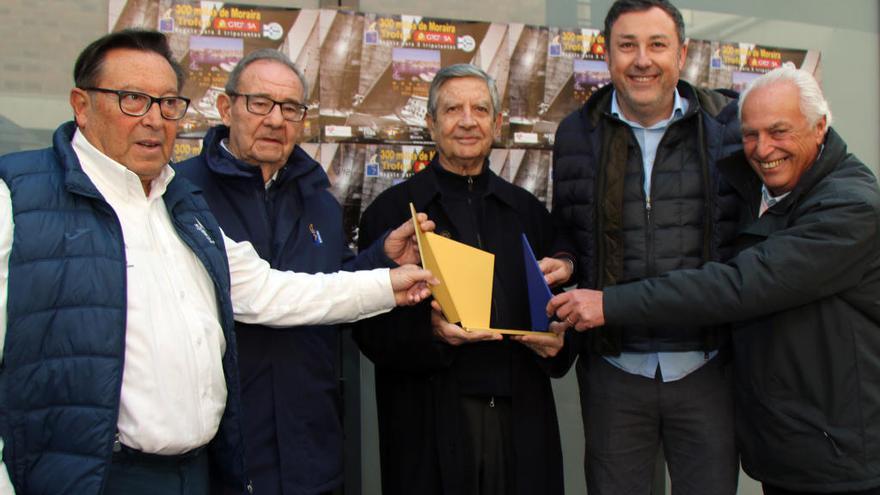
119	290
265	189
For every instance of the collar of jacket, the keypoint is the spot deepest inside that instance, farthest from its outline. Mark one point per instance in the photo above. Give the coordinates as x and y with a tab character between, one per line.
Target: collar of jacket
714	103
738	172
300	169
425	188
75	179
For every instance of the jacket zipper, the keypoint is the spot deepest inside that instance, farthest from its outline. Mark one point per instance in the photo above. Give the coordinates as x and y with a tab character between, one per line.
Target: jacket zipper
470	182
649	221
470	187
833	444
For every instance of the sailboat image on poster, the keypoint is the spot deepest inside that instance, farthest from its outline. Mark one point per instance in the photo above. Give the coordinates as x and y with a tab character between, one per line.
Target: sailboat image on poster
466	275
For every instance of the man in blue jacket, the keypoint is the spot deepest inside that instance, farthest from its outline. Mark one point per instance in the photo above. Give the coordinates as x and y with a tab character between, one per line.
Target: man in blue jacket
118	292
265	189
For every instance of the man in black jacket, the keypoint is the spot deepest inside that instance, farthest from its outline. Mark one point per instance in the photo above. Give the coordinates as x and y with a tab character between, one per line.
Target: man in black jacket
636	191
466	413
804	291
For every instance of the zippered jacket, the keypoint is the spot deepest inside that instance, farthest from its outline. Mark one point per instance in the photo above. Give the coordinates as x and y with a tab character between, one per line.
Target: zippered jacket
805	293
618	234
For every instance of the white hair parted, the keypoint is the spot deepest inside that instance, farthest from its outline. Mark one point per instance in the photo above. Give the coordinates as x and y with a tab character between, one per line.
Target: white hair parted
812	102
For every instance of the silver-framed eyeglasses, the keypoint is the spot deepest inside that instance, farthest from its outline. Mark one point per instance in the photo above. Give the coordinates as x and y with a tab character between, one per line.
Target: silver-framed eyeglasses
137	104
263	105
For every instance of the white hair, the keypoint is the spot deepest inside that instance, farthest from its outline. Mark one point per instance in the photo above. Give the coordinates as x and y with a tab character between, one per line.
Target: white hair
812	102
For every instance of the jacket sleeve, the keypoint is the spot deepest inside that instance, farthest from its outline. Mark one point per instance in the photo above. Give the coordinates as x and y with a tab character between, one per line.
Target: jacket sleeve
401	339
6	232
261	295
825	250
368	258
563	242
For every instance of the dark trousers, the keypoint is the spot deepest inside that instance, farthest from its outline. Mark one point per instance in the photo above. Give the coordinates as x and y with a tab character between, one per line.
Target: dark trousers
628	417
134	473
772	490
487	422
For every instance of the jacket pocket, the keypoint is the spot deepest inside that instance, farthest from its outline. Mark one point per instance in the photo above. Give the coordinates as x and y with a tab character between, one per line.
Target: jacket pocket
838	441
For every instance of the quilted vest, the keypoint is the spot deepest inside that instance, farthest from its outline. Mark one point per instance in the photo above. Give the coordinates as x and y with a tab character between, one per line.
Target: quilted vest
62	367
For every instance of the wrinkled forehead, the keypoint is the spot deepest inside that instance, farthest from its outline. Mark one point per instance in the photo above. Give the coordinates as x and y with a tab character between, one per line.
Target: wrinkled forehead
772	105
464	89
137	70
271	78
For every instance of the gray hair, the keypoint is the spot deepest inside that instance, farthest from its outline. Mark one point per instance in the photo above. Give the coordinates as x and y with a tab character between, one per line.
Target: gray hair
264	54
462	70
812	102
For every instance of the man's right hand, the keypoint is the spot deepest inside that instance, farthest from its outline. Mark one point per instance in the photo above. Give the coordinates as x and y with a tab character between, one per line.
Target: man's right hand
454	334
401	245
580	309
411	284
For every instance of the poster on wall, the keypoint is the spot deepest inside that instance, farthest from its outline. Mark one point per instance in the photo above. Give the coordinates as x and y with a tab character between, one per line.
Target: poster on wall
552	73
360	172
368	77
376	71
731	65
530	169
209	38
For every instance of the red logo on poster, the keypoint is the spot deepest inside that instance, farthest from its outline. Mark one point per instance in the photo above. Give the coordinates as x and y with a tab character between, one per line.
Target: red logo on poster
433	37
763	63
237	25
420	165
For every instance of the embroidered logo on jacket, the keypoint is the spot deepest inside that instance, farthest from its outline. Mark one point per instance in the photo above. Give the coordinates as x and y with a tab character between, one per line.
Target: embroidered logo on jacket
201	228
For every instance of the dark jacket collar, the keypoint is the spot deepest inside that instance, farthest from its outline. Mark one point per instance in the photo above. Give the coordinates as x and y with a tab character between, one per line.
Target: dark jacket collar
300	168
713	102
425	188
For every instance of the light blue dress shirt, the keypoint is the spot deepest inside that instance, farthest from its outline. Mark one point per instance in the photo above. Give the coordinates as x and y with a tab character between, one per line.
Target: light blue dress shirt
672	365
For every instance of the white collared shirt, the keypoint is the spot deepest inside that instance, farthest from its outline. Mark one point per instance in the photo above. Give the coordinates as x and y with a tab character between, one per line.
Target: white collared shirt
768	200
173	388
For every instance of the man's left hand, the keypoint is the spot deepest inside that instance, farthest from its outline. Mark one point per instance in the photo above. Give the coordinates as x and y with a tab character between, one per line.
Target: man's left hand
401	245
545	345
556	271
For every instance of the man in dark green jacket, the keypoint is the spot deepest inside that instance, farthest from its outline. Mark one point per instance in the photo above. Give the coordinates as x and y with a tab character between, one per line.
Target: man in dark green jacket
804	293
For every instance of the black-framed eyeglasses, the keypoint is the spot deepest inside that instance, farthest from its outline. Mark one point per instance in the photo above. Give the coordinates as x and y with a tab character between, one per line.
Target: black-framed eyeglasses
137	104
262	105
